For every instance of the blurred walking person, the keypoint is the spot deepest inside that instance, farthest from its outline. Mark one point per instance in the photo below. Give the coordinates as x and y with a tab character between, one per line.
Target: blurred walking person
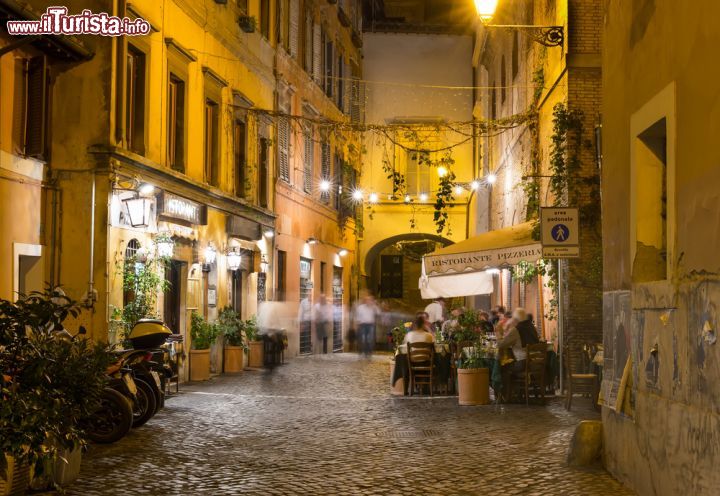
323	317
365	317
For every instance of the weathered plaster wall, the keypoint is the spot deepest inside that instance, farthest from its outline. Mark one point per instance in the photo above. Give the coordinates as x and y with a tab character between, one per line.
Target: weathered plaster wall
672	446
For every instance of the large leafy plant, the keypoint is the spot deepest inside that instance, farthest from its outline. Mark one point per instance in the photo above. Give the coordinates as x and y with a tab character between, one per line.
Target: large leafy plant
202	332
143	280
231	327
50	381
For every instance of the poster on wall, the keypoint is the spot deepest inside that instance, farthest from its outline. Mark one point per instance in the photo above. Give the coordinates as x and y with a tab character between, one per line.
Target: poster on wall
617	312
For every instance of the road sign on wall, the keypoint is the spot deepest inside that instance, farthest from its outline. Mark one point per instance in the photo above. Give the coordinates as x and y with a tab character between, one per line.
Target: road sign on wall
560	232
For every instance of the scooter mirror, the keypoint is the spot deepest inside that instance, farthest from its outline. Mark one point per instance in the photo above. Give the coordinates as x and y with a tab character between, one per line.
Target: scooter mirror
82	330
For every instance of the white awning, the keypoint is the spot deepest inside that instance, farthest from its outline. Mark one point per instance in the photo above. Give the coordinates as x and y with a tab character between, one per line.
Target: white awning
469	284
494	249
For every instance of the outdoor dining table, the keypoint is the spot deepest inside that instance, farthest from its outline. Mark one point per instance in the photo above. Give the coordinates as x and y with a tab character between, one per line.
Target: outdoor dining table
442	364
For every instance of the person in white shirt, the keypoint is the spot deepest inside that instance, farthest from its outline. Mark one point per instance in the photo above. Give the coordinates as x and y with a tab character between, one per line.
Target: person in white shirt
365	317
419	333
436	311
323	317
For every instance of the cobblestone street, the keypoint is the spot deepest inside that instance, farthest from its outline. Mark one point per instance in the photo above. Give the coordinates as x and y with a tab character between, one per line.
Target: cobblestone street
328	425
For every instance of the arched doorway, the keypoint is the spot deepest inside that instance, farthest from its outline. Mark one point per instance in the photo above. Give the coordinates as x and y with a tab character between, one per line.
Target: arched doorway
393	267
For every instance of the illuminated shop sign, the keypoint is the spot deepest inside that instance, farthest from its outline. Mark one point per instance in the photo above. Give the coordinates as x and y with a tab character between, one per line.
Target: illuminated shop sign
179	209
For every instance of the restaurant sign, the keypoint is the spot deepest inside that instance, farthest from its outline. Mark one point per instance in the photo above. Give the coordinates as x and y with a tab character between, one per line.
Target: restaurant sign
481	260
179	209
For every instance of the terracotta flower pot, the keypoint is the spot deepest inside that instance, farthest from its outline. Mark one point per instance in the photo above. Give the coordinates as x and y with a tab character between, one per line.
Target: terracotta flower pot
255	356
199	365
234	358
16	479
473	386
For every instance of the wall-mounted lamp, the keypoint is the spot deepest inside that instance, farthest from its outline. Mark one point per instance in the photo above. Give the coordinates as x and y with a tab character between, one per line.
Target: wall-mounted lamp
357	195
312	241
268	233
146	189
138	211
549	36
343	252
234	259
324	185
373	198
210	254
491	178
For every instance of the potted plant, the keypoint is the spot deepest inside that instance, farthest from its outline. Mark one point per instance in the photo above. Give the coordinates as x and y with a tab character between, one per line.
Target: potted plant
232	328
473	378
50	384
247	23
255	345
203	335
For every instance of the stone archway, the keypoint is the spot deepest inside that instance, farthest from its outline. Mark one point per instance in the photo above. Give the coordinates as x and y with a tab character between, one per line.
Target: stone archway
402	254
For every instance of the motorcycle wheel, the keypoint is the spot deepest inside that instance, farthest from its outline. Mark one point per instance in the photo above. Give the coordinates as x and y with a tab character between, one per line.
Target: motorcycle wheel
112	420
146	404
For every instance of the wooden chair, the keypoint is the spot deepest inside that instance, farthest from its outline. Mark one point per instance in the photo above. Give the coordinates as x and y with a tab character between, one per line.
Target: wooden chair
535	366
421	359
578	381
532	374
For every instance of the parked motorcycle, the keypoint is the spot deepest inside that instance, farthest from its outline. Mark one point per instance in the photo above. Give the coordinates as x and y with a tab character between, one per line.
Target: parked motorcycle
113	418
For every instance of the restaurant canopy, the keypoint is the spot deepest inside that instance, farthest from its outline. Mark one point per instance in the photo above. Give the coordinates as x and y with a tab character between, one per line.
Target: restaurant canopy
461	269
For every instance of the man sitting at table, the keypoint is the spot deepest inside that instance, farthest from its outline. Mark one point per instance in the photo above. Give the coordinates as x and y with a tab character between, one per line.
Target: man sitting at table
419	333
517	337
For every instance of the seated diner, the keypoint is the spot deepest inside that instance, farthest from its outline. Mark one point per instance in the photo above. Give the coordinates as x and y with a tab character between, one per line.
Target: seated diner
419	332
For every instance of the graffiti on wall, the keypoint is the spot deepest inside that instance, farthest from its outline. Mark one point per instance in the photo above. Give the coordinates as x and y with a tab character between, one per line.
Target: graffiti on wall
617	311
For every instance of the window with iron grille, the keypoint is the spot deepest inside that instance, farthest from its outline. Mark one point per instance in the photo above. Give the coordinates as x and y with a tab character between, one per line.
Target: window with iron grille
309	159
284	149
325	170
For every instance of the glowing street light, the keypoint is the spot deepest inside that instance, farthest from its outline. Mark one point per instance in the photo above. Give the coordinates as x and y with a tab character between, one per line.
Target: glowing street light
423	197
486	9
357	195
343	252
234	259
407	198
373	198
146	189
442	171
458	190
491	178
324	185
210	254
474	185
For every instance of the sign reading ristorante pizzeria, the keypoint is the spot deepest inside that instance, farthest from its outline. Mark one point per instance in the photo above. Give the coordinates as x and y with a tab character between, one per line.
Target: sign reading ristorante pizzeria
177	208
476	261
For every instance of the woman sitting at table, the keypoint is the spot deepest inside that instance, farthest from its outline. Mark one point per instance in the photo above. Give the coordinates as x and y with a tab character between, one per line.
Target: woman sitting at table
419	332
517	337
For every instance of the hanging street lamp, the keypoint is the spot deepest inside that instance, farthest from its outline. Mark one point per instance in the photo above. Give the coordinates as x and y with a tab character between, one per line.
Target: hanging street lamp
138	211
234	259
549	36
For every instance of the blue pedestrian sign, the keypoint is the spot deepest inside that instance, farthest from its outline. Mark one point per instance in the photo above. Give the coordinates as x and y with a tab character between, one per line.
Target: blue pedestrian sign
559	229
560	233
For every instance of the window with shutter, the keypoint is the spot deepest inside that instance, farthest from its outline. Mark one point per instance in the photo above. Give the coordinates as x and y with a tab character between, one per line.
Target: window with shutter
325	170
135	100
264	145
283	35
265	18
338	181
308	43
309	159
329	62
317	54
340	83
176	124
239	152
294	27
346	90
284	149
36	113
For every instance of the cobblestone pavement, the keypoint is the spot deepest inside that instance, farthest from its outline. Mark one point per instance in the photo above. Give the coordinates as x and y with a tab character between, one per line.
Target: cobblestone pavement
328	425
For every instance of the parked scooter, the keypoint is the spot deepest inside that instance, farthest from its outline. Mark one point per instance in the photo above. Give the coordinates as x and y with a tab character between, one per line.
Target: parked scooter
148	335
114	417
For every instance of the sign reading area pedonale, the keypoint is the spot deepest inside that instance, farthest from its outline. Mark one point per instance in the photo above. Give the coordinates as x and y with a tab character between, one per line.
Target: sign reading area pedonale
476	261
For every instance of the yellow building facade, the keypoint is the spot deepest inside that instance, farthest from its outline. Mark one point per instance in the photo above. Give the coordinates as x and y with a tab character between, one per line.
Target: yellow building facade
552	95
318	65
660	177
154	139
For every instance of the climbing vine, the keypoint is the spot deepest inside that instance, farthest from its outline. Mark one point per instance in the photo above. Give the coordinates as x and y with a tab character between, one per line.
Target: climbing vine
565	152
